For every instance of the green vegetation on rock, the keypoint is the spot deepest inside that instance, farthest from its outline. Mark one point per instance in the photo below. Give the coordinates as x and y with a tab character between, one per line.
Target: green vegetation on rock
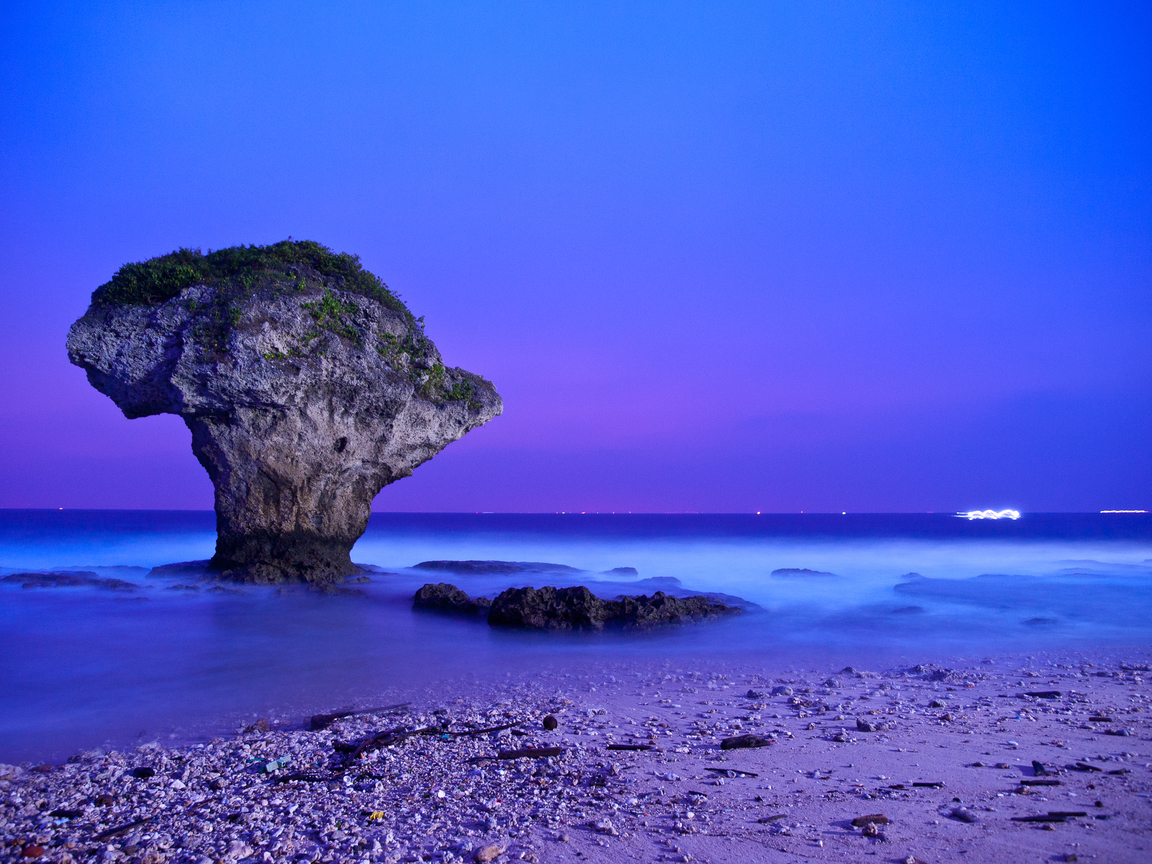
242	269
290	267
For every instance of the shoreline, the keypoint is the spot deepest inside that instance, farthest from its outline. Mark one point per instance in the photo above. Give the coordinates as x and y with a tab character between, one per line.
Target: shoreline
844	744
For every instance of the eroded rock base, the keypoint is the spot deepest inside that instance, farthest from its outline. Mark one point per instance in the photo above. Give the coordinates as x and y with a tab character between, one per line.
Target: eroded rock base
262	559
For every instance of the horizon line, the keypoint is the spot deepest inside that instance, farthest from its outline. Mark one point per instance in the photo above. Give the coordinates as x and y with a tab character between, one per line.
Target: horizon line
595	512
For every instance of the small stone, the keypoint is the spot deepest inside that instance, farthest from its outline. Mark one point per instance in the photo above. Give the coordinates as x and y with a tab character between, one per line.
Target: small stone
742	741
261	725
874	819
605	826
143	772
550	722
871	830
32	851
782	691
238	849
754	694
488	853
963	814
104	800
936	703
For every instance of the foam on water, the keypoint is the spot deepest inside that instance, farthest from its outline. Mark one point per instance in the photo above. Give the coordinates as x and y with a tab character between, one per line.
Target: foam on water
82	666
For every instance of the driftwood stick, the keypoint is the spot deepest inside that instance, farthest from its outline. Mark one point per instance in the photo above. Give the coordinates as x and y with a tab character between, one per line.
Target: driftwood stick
386	739
323	721
530	753
122	829
482	731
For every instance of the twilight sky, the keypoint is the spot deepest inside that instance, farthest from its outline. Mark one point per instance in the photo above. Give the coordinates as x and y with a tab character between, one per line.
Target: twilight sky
715	256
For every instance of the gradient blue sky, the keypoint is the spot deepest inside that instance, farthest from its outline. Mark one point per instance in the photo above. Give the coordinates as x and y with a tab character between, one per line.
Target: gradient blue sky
715	256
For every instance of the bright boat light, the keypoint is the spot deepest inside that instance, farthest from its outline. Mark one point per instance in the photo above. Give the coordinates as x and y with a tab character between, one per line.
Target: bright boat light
990	514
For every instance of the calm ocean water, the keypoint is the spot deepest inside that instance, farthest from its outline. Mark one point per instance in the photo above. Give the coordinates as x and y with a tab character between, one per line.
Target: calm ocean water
83	667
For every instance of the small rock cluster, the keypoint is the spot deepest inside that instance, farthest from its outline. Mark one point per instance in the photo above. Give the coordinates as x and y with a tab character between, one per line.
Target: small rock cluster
574	608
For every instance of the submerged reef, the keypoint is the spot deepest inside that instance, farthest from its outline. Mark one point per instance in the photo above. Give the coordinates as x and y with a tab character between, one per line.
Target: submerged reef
307	385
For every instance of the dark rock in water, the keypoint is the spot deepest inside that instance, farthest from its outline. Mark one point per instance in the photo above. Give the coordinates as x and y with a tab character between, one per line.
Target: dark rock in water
549	609
1040	622
485	568
307	385
628	571
183	568
577	608
788	572
449	599
670	581
68	579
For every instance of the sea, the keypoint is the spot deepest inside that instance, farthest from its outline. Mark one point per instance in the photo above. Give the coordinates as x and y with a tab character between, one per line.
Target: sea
170	659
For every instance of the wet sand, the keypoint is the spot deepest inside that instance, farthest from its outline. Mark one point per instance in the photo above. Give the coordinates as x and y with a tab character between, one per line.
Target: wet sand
951	757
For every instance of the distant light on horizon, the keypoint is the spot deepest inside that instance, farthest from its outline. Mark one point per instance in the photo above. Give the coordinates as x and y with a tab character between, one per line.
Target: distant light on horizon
990	514
1123	511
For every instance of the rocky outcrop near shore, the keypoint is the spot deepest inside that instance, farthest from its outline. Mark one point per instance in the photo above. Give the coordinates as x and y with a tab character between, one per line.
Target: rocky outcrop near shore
450	600
574	608
307	386
68	579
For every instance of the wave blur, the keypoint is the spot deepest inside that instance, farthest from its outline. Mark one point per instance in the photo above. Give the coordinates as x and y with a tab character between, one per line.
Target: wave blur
83	666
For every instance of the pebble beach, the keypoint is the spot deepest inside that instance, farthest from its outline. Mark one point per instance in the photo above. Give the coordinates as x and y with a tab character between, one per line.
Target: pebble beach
1007	758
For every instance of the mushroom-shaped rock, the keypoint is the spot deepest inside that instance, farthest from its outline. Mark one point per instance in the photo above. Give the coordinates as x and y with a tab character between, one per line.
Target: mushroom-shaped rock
308	386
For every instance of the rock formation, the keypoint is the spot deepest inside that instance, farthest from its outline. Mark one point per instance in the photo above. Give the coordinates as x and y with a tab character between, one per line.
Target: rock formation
307	386
68	579
574	608
450	600
798	572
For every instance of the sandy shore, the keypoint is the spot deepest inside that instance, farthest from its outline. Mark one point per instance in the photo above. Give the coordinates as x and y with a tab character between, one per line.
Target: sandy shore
945	755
